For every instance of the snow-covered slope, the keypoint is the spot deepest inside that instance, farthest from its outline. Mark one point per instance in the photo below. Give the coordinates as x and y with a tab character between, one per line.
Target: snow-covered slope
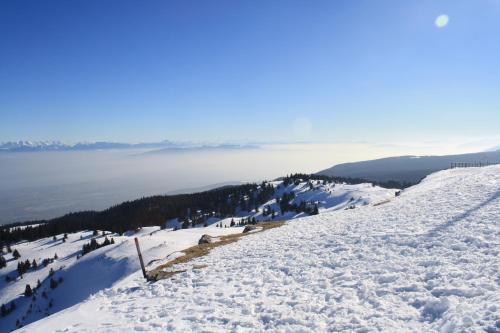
109	265
82	277
427	261
327	196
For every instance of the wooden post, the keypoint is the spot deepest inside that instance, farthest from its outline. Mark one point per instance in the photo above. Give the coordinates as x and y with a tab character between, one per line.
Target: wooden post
140	258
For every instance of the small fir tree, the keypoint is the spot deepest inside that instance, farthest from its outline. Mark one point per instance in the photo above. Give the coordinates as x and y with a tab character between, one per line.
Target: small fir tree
27	291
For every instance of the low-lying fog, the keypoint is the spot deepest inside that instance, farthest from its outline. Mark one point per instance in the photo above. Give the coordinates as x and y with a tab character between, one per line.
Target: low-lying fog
48	184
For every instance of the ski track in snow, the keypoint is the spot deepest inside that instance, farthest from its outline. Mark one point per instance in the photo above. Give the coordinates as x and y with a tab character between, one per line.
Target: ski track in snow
428	261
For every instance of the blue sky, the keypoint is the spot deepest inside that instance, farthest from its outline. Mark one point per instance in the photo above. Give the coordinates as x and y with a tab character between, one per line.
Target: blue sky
323	71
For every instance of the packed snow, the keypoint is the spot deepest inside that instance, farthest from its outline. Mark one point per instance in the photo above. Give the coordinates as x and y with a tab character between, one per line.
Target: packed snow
425	261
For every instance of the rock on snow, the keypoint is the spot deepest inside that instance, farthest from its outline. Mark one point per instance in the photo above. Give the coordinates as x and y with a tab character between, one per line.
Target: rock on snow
428	261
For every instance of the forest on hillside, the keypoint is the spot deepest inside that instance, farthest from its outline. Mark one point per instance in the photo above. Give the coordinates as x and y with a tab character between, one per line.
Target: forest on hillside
155	210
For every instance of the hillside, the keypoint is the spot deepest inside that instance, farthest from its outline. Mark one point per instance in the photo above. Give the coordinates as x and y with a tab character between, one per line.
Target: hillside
246	200
426	261
85	276
111	264
408	169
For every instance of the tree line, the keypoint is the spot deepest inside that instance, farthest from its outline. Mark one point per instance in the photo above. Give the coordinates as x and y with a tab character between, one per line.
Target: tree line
155	210
146	211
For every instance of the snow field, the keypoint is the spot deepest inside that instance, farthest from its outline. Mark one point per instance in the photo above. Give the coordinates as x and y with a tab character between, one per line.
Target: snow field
109	265
428	261
94	271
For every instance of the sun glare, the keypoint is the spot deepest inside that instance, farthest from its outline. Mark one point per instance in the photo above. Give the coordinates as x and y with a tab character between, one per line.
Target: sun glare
442	21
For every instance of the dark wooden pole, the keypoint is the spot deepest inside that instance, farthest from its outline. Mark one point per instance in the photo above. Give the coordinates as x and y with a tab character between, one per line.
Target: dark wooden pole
140	258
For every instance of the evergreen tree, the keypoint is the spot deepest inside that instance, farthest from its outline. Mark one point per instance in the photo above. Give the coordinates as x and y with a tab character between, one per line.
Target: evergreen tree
16	254
27	291
53	283
27	264
3	310
34	264
3	262
22	267
55	256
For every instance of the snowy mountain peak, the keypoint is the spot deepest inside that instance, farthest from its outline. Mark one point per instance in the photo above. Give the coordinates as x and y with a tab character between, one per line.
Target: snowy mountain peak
30	146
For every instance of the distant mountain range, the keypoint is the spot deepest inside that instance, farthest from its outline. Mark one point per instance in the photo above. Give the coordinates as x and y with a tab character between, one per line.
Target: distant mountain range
409	169
494	148
166	145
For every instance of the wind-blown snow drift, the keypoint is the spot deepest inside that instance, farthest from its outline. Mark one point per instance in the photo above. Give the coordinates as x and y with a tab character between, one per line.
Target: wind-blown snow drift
426	261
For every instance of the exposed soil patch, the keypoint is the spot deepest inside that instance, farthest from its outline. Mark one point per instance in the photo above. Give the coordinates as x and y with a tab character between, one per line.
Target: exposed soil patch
200	250
381	203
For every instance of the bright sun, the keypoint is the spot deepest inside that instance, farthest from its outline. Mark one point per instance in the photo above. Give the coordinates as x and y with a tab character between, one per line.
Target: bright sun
442	21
